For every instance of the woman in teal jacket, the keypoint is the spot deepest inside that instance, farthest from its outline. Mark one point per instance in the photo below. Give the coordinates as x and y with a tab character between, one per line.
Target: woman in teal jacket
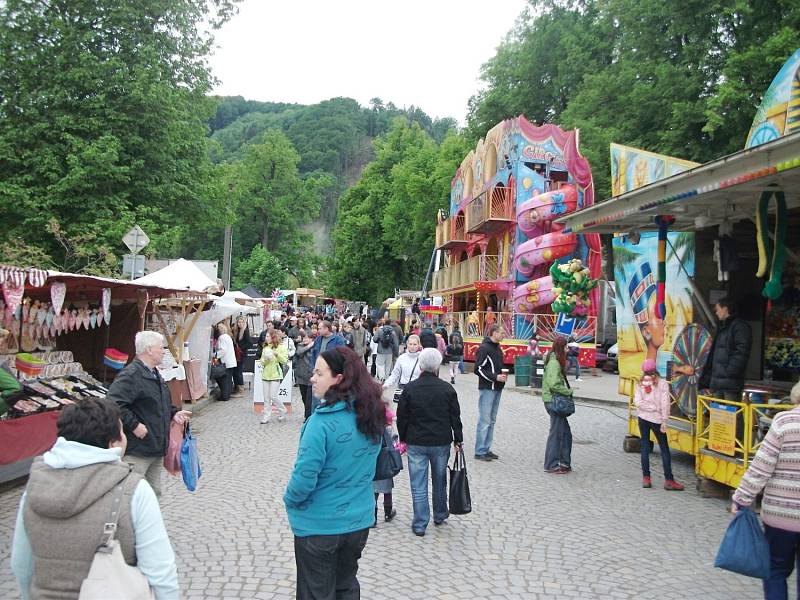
329	497
558	453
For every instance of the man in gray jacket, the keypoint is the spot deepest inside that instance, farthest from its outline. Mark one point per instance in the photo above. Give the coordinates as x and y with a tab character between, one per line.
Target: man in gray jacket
388	348
361	339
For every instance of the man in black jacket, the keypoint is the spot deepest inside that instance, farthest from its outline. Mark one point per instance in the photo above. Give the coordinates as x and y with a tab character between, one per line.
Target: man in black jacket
491	381
429	420
144	400
730	353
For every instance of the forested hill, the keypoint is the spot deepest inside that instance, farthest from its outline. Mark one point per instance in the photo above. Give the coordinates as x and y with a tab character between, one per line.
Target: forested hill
332	137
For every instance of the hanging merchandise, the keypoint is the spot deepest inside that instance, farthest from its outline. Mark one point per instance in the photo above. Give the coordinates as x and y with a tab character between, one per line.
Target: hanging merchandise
58	291
571	286
773	289
12	293
114	358
663	222
105	305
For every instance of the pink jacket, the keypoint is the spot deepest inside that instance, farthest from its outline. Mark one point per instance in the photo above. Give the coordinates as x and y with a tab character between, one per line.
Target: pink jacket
653	407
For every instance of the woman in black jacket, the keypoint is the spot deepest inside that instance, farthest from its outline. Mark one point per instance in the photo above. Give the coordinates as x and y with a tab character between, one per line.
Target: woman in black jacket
429	420
241	344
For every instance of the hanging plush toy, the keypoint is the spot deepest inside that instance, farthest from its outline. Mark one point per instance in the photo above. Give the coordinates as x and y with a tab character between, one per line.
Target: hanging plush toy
663	222
773	289
571	285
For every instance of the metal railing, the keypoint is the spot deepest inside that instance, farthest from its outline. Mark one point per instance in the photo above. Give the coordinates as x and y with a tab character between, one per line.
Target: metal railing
496	204
519	326
451	229
478	268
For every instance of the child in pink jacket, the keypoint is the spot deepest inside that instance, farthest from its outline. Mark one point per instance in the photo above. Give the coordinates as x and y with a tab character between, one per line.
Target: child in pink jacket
652	408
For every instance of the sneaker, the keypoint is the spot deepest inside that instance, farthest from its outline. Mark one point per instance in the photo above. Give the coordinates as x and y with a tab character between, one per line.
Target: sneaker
647	482
484	457
281	418
492	455
556	471
419	532
390	515
672	485
578	379
452	381
264	421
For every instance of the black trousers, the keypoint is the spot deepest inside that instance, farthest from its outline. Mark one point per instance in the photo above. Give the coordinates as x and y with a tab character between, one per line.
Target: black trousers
305	395
238	376
327	565
226	384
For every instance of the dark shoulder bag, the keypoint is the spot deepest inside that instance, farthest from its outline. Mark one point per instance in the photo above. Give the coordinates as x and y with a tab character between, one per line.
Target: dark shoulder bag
561	404
389	462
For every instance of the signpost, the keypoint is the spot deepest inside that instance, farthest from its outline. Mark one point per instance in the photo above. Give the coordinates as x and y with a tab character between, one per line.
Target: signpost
136	239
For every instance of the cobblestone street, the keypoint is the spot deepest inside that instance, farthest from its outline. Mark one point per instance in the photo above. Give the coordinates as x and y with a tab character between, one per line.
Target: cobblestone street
594	533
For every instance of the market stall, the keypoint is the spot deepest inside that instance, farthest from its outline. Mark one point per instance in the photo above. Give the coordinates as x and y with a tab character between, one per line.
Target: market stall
730	227
62	338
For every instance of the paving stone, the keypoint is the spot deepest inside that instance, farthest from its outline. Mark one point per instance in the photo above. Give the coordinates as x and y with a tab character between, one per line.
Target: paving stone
531	535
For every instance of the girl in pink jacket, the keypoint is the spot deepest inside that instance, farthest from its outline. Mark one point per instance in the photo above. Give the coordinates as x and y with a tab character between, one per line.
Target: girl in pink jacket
652	408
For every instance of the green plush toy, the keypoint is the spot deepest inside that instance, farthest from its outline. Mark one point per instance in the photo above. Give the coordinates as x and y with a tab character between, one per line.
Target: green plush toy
571	285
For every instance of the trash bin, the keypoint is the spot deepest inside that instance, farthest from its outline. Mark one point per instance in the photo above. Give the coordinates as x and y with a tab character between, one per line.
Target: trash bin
522	370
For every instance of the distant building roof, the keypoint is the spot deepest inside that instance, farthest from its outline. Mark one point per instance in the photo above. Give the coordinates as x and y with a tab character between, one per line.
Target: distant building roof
252	292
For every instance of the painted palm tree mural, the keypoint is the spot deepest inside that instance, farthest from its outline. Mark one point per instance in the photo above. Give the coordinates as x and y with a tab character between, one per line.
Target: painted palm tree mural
640	334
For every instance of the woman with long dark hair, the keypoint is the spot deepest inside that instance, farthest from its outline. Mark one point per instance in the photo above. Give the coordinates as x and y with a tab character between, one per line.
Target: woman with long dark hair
329	497
558	453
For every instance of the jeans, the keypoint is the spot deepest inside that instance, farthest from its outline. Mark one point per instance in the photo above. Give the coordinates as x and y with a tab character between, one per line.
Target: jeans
783	556
558	452
573	360
327	565
461	365
488	403
238	376
419	457
645	427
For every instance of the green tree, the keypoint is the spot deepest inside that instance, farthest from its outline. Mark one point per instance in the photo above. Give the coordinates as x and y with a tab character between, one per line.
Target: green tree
260	269
103	112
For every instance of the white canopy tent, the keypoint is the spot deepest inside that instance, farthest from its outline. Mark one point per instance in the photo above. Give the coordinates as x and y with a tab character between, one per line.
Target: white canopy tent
181	275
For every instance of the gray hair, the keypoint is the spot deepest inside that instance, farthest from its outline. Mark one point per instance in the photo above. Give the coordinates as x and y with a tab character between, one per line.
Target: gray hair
147	339
794	395
429	360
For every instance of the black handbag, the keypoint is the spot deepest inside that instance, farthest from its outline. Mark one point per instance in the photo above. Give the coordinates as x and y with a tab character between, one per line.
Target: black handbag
218	371
389	462
460	502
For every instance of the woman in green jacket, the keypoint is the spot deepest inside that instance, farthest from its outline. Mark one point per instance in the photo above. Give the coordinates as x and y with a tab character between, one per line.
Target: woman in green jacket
557	454
274	356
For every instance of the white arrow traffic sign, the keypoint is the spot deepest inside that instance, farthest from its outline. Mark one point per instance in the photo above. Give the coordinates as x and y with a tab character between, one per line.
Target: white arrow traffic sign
136	239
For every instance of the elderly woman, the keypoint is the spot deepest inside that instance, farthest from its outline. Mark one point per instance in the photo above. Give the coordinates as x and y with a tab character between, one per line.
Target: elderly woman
67	500
776	471
429	420
226	355
329	495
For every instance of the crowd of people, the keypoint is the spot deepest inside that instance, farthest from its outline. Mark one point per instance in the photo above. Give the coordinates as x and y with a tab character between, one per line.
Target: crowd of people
358	378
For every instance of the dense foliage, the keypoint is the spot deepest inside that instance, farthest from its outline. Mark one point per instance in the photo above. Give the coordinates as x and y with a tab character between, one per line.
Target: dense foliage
103	112
385	231
680	78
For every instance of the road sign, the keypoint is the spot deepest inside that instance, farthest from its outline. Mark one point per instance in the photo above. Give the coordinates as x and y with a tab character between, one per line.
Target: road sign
133	265
565	324
136	239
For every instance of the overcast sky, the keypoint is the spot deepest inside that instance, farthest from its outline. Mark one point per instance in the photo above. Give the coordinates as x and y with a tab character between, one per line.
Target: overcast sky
422	52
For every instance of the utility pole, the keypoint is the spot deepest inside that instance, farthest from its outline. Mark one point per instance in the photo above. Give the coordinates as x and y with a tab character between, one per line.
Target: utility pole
226	259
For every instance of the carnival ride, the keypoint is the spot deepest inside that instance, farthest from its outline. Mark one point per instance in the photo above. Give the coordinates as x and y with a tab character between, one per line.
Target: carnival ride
500	241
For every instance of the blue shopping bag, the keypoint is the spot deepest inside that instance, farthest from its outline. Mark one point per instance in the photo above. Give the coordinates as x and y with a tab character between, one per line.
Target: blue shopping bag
190	460
744	549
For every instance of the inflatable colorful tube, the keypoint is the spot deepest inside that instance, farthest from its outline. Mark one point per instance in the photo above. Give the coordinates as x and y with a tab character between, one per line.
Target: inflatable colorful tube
540	210
543	249
528	296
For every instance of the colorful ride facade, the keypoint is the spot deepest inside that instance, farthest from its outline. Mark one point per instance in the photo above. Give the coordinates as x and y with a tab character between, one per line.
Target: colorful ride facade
498	240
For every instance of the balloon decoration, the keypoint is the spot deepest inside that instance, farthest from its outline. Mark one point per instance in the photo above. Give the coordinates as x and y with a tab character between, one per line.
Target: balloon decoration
773	289
571	285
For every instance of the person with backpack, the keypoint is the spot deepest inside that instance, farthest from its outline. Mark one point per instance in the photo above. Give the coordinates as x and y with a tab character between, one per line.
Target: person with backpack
454	352
388	348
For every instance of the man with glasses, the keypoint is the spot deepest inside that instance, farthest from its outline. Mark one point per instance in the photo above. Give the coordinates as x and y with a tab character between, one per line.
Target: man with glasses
144	401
